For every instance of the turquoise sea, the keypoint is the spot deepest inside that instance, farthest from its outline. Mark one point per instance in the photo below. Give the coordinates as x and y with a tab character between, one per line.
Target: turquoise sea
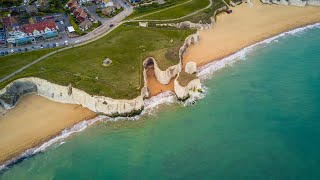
259	119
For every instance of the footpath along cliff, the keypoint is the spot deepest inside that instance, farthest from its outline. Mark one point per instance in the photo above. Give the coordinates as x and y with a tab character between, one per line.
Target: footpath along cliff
10	95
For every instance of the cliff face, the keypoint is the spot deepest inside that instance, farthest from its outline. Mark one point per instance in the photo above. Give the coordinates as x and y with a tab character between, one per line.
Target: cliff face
64	94
164	77
184	92
10	95
293	2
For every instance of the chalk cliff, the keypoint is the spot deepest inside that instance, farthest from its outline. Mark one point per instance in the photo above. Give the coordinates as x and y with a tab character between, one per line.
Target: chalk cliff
293	2
10	95
183	92
67	94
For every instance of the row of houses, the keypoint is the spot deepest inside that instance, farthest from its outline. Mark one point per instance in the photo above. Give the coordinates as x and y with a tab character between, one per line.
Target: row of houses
28	33
77	11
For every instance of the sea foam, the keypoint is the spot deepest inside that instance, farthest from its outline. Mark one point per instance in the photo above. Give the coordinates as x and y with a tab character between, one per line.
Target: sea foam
152	103
206	71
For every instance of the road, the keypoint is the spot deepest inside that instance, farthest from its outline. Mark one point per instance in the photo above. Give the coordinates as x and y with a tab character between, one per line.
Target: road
106	22
101	31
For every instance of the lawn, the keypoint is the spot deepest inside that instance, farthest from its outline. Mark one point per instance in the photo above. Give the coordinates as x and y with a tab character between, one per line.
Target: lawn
143	10
184	78
11	63
205	16
127	46
178	11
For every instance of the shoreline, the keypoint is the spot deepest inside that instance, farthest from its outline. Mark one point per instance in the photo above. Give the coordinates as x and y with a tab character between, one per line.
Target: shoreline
248	25
201	70
35	120
166	97
211	67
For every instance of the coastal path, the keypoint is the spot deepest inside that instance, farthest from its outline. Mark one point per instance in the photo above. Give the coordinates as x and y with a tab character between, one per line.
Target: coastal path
175	19
103	30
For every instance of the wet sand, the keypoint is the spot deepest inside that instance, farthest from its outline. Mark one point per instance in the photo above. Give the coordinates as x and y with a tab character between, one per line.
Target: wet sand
35	120
248	25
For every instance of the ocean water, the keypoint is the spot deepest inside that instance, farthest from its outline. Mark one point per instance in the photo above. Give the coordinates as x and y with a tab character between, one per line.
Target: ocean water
259	119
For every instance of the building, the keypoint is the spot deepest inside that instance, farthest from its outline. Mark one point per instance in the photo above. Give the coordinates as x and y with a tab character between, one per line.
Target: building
82	17
46	29
85	25
3	42
30	33
77	11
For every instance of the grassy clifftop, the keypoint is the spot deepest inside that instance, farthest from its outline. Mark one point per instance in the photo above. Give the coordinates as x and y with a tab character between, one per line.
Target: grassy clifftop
127	46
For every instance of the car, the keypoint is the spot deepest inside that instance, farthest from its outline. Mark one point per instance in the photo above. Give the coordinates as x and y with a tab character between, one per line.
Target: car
33	48
41	46
12	51
20	50
57	44
53	45
25	49
111	25
6	52
48	45
2	53
66	42
61	22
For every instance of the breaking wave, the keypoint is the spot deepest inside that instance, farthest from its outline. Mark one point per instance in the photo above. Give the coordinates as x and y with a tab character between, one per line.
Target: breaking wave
151	104
206	71
58	140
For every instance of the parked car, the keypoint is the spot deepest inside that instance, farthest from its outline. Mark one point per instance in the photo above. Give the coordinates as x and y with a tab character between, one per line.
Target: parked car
2	53
48	45
111	25
66	43
61	22
33	48
20	50
12	51
25	49
41	46
54	45
57	44
6	52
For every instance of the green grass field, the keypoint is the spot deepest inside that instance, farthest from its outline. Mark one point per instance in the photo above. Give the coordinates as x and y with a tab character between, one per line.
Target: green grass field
205	16
127	46
178	11
143	10
184	78
11	63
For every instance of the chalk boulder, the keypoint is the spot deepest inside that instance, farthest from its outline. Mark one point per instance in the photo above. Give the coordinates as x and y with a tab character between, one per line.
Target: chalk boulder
191	67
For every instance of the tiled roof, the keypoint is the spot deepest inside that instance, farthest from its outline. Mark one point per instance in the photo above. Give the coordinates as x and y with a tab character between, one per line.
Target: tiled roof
41	26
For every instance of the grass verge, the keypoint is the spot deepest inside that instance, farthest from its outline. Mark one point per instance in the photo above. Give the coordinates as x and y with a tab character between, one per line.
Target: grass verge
11	63
126	46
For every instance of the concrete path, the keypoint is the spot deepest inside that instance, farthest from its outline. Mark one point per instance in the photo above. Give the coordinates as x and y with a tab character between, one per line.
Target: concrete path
102	31
175	19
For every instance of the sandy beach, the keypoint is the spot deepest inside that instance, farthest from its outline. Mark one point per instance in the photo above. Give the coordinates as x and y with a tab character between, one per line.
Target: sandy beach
248	25
35	120
154	86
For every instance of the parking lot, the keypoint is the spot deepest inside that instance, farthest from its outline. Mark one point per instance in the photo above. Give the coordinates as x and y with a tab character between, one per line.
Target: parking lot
62	21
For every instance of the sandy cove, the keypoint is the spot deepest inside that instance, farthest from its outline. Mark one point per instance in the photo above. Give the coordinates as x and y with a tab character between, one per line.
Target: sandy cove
35	120
248	25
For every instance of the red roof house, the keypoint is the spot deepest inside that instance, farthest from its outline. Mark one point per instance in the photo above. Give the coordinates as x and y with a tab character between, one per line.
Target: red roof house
41	27
82	16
